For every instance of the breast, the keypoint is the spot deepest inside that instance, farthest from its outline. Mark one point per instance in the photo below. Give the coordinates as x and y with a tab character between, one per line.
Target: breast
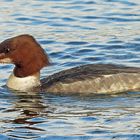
93	79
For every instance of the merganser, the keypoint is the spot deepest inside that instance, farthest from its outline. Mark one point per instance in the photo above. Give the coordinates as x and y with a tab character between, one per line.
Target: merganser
29	58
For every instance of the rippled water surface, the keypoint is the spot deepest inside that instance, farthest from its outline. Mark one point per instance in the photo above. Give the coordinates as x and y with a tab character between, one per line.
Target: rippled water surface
73	32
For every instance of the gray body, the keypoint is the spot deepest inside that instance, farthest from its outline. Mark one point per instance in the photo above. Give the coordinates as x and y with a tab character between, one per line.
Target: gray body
93	78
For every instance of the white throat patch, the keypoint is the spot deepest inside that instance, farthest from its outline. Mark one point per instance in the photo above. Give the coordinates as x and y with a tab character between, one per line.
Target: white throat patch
6	61
25	83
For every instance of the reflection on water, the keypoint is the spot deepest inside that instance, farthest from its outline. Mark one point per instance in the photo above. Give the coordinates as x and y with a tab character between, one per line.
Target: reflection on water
22	109
75	117
72	33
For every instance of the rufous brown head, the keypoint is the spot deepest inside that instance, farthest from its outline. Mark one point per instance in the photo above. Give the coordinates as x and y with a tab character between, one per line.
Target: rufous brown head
25	52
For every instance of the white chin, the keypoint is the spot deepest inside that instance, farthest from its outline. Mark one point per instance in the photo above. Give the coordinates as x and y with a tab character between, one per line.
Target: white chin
6	60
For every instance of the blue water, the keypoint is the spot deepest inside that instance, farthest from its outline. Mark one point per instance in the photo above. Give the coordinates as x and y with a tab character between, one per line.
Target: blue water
73	32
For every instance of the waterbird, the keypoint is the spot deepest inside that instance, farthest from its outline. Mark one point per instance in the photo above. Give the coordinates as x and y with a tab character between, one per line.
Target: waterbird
29	58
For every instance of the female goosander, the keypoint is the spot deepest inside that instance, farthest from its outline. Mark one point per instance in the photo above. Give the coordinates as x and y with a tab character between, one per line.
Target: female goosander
29	58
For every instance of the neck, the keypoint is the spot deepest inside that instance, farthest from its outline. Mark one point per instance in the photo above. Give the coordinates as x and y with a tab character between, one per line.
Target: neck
24	83
22	71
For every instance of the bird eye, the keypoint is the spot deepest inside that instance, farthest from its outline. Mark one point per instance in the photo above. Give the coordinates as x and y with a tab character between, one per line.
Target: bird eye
7	50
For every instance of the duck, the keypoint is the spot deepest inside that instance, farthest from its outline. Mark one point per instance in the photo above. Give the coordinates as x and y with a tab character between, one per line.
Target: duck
29	58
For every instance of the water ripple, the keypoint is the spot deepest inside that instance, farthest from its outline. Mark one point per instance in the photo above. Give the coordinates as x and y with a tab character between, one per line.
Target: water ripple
72	33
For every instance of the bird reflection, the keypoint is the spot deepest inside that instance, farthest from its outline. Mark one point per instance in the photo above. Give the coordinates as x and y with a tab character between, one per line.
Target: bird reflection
30	105
29	110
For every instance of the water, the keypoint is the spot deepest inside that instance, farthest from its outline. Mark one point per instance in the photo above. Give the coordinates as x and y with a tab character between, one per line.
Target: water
73	32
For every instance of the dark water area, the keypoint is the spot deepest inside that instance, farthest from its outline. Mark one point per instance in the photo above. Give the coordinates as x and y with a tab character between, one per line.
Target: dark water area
73	33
